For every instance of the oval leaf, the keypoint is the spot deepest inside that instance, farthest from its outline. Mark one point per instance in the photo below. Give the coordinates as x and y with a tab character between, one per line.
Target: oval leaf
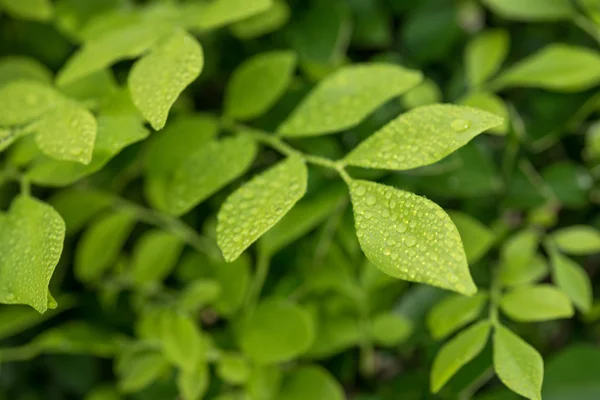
390	329
421	137
577	240
23	101
485	54
258	205
346	97
572	279
181	340
532	10
409	237
476	237
310	382
536	303
36	10
154	256
454	312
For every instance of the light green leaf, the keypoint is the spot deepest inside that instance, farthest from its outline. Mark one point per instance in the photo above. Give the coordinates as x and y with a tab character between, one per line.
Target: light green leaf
518	365
37	10
103	393
31	242
390	329
158	78
577	240
94	88
258	205
181	340
198	294
207	170
154	256
67	133
263	23
138	368
193	384
233	369
218	13
409	237
78	206
16	68
335	334
519	263
233	277
258	83
23	101
485	54
304	217
558	67
477	239
426	92
536	303
346	97
119	44
277	331
458	352
311	382
101	244
454	312
572	279
532	10
491	103
264	382
421	137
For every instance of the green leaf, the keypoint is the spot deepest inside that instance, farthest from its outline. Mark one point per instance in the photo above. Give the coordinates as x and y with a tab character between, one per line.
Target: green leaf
264	382
103	393
310	382
233	369
78	206
193	384
409	237
390	329
532	10
258	83
491	103
23	101
304	217
577	240
154	256
335	334
536	303
425	93
119	44
346	97
31	242
263	23
454	312
15	319
218	13
258	205
421	137
198	294
138	368
158	78
277	331
518	365
18	68
101	245
485	54
519	263
572	279
207	170
181	340
68	133
458	352
37	10
477	239
233	277
558	67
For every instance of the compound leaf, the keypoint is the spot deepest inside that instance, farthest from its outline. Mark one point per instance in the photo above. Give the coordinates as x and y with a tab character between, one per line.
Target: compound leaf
485	54
31	242
536	303
519	263
409	237
158	78
577	239
454	312
458	352
277	331
259	204
421	137
346	97
257	84
518	365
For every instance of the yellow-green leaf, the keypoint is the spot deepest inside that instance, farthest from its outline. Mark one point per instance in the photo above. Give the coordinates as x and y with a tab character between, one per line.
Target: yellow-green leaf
476	237
485	54
491	103
532	10
531	303
263	23
181	340
23	101
454	312
154	256
37	10
577	239
421	137
215	14
409	237
390	329
311	382
572	279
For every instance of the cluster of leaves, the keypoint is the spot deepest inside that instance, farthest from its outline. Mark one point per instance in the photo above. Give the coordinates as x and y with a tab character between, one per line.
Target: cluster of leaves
245	226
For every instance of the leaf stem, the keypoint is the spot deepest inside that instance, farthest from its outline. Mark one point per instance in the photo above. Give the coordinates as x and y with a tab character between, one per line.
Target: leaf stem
495	293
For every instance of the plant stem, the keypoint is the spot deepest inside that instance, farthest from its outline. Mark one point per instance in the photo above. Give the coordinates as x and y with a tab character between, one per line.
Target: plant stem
263	264
495	293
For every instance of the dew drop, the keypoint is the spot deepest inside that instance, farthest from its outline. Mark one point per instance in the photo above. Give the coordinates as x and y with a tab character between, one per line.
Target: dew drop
410	241
401	227
371	200
460	125
360	191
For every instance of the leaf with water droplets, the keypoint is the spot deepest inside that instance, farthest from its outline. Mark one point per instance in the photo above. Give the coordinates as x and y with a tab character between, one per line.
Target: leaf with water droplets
454	312
258	205
217	13
36	10
31	242
118	44
421	137
23	101
532	303
346	97
256	85
157	79
154	256
518	365
207	170
458	352
409	237
572	279
67	133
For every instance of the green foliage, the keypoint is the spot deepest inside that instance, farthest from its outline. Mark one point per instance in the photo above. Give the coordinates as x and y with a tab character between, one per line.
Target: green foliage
290	200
